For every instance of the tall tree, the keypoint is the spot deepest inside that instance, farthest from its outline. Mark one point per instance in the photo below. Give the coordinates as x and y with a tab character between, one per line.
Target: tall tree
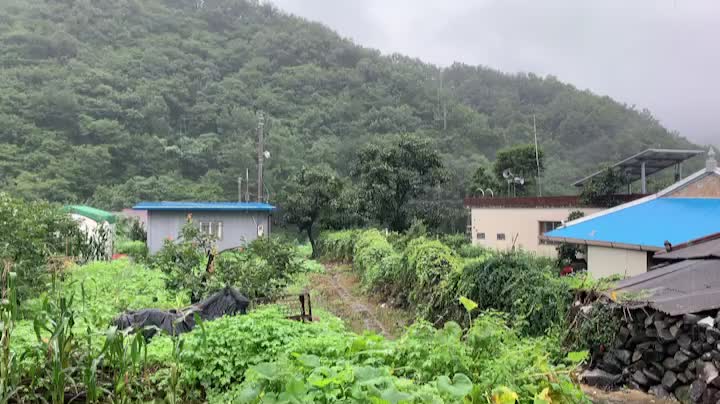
521	161
391	174
602	189
481	181
312	194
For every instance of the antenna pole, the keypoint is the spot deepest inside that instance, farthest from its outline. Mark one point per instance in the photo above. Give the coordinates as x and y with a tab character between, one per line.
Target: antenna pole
240	189
537	158
247	185
260	150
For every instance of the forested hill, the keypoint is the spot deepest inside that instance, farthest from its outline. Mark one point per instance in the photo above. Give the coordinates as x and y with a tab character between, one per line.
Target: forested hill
112	101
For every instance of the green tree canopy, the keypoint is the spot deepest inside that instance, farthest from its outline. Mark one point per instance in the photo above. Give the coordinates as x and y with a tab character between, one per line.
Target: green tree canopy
311	196
482	180
392	173
113	101
602	189
520	161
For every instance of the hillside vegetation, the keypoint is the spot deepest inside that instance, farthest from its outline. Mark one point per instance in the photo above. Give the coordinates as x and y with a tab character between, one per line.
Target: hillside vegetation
114	101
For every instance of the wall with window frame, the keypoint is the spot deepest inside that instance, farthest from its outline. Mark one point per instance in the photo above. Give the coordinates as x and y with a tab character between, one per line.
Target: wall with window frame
238	228
521	226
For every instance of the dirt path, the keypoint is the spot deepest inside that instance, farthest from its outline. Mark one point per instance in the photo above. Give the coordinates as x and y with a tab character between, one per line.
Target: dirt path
338	290
358	307
598	396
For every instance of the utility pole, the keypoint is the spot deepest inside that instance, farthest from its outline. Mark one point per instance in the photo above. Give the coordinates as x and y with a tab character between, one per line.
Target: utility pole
537	159
442	102
260	151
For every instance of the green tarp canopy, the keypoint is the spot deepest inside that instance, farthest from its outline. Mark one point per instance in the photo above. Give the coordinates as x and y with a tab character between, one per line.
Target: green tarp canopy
97	215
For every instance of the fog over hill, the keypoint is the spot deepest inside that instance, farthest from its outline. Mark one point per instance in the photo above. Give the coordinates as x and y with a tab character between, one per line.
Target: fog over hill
657	54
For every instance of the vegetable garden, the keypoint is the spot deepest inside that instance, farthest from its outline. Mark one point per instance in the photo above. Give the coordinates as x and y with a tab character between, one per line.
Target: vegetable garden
488	328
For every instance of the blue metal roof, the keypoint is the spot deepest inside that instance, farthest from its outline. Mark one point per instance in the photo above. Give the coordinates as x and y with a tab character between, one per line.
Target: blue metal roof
206	206
650	223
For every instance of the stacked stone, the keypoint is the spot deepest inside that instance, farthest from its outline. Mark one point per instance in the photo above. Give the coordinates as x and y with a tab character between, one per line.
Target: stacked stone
665	356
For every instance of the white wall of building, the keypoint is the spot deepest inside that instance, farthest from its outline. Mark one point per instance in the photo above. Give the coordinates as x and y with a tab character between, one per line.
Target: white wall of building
521	225
606	261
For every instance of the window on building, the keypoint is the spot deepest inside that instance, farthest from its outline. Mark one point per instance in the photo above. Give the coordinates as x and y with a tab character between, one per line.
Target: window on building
501	236
480	236
546	226
214	229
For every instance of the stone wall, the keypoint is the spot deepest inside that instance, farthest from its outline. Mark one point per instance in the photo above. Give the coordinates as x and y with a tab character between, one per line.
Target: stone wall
663	355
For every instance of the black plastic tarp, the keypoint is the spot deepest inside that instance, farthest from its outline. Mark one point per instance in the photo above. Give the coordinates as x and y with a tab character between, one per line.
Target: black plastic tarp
226	302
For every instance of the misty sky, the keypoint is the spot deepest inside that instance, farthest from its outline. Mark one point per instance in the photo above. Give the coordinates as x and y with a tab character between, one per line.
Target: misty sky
663	55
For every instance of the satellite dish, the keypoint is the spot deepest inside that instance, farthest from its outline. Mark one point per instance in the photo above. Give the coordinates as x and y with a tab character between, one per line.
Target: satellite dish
520	180
266	154
507	174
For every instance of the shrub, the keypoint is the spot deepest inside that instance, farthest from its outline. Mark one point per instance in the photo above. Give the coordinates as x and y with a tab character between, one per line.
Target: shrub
525	286
281	255
371	247
131	228
455	241
423	352
427	266
137	250
30	233
474	251
218	357
185	261
338	245
595	329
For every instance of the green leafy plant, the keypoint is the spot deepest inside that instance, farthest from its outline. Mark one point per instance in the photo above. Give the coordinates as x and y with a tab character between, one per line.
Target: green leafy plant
9	379
137	250
185	261
30	233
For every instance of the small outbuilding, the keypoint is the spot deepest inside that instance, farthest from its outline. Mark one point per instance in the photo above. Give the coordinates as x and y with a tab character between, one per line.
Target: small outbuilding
233	224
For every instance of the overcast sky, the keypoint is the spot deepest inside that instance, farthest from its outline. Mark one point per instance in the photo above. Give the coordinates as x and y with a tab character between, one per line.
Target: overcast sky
663	55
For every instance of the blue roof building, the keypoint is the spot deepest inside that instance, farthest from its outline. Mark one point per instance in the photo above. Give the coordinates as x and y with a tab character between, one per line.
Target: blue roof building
232	224
623	239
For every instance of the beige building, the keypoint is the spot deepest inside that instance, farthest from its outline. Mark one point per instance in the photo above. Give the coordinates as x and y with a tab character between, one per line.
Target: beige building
623	240
504	223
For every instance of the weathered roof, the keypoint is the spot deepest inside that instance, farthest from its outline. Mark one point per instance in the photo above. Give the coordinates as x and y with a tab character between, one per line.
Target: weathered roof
704	248
205	206
689	286
646	224
95	214
566	201
655	160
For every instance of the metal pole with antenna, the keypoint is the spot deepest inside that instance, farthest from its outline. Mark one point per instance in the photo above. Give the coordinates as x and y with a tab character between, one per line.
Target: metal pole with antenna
260	151
537	159
247	185
240	189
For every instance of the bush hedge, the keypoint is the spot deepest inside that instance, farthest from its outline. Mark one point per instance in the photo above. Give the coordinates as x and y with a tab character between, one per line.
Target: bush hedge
137	250
338	245
520	284
430	276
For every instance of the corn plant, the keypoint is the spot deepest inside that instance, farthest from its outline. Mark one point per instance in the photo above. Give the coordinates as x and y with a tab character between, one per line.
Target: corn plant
57	319
8	314
174	380
125	354
90	360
